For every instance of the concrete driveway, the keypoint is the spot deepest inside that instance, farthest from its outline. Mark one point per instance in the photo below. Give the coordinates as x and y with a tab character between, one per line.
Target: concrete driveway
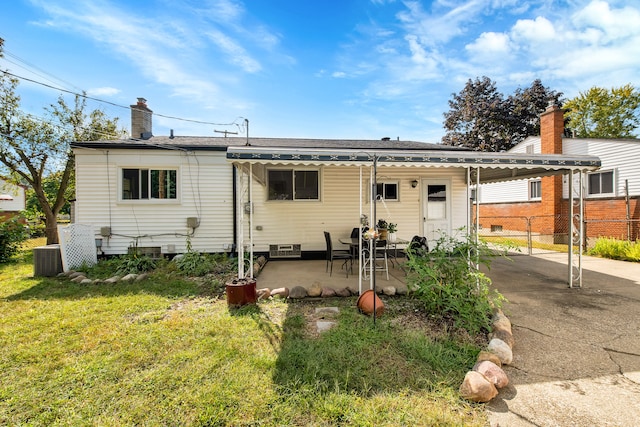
577	351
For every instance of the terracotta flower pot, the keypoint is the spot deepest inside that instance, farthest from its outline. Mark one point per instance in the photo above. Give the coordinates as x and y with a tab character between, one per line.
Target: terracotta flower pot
366	301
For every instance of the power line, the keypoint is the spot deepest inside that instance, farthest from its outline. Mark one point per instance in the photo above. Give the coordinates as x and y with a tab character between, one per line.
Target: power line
114	104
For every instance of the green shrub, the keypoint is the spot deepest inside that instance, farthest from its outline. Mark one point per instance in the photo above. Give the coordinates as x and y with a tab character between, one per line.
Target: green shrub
447	279
134	263
12	234
195	263
608	247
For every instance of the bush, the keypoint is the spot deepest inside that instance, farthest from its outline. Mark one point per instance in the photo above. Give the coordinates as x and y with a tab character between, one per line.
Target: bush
450	284
12	234
608	247
134	263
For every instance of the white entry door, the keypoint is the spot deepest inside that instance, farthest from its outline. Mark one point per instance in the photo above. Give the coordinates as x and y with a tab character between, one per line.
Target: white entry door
436	208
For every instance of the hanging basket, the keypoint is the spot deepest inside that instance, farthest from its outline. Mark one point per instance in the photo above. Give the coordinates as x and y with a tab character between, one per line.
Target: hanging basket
366	302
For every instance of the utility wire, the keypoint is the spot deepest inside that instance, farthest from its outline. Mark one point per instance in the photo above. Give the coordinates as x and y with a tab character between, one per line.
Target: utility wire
7	73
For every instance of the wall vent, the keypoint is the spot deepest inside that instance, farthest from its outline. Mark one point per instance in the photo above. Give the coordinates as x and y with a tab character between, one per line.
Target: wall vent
285	251
150	251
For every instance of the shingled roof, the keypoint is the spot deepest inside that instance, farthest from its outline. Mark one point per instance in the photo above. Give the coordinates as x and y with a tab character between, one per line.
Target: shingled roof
206	143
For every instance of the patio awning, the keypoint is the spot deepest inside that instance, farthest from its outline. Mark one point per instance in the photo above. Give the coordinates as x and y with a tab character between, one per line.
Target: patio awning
495	166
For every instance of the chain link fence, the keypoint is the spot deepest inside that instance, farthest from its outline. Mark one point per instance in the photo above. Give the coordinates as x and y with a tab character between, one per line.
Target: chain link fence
551	232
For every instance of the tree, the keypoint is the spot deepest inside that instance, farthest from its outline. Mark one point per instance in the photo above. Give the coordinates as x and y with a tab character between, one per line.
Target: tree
482	119
602	113
32	149
527	105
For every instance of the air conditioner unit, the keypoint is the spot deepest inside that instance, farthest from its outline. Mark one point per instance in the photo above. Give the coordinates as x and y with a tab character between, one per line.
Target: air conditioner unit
47	260
285	251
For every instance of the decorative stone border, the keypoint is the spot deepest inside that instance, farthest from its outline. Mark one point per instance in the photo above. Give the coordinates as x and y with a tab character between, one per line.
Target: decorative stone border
481	384
79	277
317	291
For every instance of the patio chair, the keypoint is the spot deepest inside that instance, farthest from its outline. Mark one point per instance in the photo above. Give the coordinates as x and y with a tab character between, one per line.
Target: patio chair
332	254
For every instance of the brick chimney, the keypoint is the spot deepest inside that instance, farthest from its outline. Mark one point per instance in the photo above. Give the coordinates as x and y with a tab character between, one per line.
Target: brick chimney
141	127
551	131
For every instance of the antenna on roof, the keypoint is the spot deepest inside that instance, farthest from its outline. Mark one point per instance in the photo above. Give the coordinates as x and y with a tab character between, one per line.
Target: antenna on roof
226	132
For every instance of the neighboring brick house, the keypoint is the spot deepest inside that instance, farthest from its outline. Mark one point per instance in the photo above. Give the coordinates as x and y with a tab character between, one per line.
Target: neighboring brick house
611	194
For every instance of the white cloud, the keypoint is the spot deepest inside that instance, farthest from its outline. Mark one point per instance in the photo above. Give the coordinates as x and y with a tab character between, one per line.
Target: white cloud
339	74
531	31
489	45
103	91
236	54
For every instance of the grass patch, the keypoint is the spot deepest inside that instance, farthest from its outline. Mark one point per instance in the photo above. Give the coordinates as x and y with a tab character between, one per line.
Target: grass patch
167	351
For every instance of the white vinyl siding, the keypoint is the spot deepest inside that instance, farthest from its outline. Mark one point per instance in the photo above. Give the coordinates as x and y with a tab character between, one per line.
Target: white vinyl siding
621	156
338	211
205	189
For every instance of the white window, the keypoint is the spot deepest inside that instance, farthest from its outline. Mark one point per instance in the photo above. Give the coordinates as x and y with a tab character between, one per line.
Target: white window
293	184
529	148
148	184
387	191
535	189
600	183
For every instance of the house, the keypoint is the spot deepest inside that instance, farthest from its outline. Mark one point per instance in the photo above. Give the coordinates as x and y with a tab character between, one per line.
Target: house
12	199
164	194
541	205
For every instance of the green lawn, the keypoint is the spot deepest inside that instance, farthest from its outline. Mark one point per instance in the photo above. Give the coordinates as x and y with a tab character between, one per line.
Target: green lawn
168	351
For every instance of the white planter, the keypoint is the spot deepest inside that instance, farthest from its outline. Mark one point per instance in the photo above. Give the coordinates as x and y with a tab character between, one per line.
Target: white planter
391	237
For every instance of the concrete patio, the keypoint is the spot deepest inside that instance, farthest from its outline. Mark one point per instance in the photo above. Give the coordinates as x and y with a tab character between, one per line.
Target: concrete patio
291	273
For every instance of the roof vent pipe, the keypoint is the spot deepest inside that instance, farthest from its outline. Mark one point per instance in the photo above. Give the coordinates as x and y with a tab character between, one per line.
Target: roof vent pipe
171	134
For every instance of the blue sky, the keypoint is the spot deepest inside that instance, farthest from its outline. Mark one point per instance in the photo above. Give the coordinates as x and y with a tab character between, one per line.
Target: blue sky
312	69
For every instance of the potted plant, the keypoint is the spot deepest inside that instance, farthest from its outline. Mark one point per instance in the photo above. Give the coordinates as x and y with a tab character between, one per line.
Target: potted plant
391	230
382	225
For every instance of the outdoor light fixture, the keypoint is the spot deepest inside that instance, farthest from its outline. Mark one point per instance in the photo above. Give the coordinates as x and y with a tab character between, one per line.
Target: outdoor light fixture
414	183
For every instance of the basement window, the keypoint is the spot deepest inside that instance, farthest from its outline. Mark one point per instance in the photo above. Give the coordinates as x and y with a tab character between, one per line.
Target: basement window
149	184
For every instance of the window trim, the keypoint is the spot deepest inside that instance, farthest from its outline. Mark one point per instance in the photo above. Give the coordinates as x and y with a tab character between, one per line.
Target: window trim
530	183
384	182
293	171
150	200
600	173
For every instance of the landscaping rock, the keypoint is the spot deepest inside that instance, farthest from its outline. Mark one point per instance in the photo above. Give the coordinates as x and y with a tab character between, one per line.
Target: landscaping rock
78	279
493	372
501	349
353	291
86	282
297	292
344	292
141	277
263	293
402	291
389	290
280	292
315	290
491	357
327	293
503	335
129	277
500	321
112	280
477	388
74	274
